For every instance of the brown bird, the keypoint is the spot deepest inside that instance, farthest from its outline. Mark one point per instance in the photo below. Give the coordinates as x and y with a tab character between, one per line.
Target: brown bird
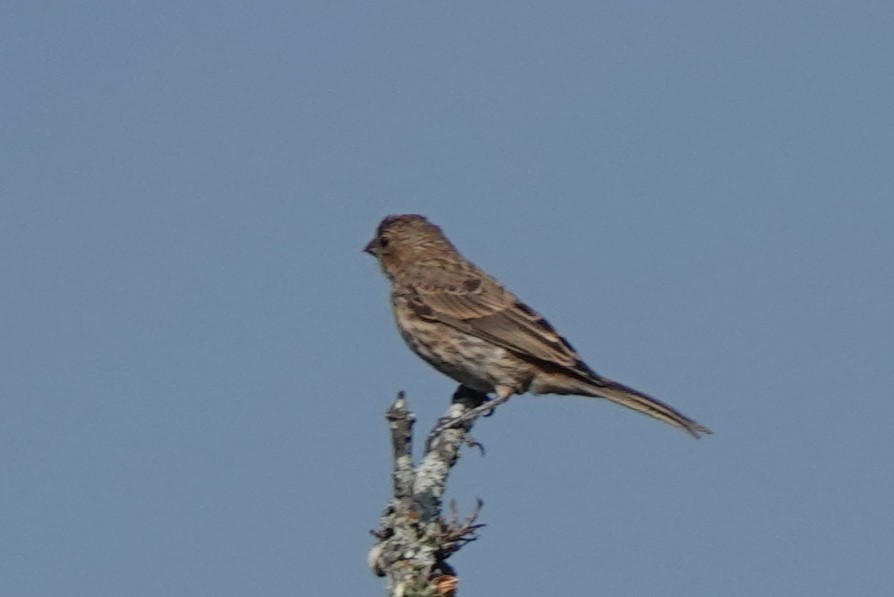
469	327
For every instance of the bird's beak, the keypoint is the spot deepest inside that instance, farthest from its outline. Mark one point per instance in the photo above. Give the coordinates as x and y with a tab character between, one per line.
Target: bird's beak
370	248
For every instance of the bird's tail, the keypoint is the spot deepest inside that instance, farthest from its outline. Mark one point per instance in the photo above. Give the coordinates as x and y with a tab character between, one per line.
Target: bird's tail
596	386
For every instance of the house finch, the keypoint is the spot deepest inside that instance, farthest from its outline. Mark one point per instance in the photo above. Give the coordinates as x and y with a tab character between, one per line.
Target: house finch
467	326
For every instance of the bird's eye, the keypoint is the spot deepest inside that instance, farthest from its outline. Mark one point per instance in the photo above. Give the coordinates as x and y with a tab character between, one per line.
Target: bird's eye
383	242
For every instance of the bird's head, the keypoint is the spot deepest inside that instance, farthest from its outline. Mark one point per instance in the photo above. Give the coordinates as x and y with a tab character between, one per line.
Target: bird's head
407	239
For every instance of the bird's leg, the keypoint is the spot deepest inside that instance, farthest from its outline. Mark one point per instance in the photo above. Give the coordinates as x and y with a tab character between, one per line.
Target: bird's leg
469	398
479	403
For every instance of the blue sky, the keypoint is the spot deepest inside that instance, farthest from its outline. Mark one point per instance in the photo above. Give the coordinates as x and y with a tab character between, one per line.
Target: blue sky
196	356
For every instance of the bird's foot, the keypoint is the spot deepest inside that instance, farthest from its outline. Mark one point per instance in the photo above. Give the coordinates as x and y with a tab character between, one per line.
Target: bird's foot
479	405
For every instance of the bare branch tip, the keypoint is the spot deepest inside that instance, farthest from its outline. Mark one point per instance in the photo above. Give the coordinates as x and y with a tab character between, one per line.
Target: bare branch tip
399	410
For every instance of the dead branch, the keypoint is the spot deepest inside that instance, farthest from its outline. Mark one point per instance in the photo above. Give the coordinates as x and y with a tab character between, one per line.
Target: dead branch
415	539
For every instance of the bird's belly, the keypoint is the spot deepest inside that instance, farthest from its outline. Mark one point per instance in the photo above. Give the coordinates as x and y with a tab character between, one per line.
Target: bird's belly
469	360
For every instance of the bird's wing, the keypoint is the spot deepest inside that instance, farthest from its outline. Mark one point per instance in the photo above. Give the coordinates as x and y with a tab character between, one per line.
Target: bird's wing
476	304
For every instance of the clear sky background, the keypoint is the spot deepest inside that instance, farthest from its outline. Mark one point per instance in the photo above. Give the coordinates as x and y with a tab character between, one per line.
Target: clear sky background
195	357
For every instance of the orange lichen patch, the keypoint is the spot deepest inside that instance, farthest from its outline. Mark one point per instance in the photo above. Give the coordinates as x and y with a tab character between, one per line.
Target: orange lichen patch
446	585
